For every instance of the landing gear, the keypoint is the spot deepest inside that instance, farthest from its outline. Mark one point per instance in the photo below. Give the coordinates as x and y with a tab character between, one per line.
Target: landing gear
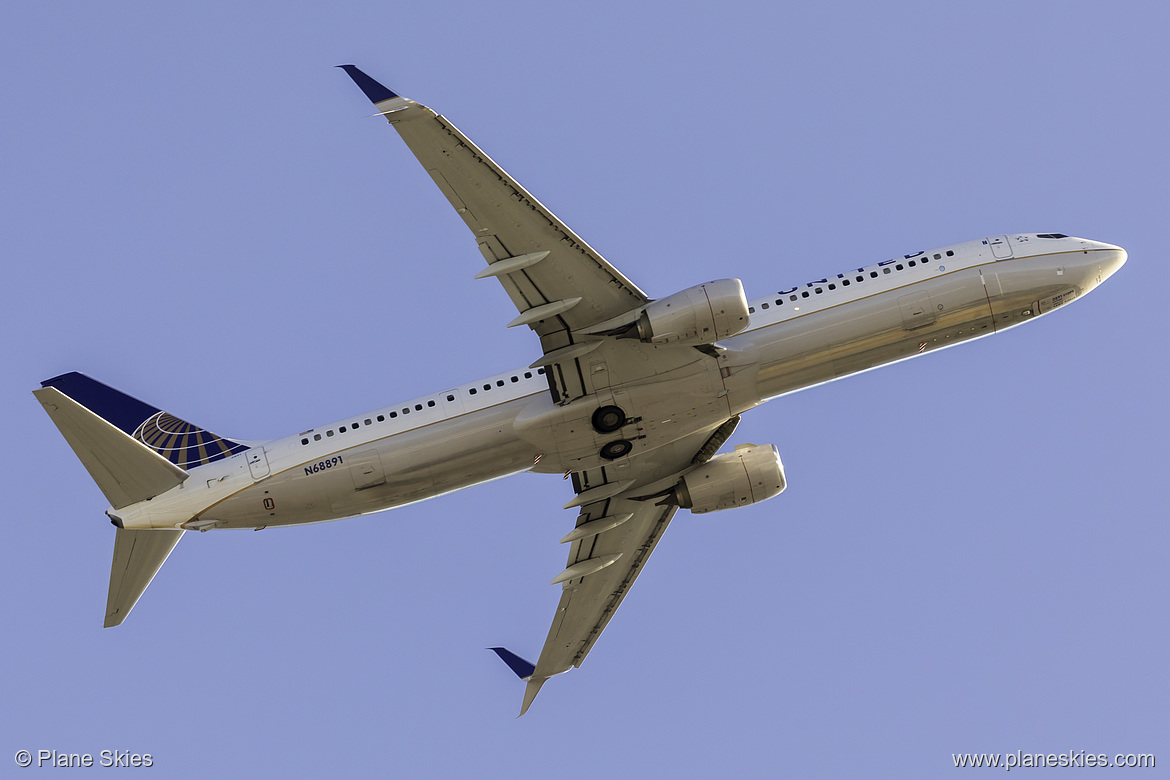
608	419
616	449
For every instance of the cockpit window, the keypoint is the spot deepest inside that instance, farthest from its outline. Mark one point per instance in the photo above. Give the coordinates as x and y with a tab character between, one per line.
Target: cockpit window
1051	235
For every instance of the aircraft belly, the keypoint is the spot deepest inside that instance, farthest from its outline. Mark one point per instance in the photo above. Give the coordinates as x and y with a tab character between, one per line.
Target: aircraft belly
390	472
660	409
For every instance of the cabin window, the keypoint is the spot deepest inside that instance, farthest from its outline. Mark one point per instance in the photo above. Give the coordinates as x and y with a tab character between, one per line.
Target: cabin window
316	437
898	267
833	286
341	429
818	290
487	387
406	410
845	282
369	421
950	253
751	310
393	415
381	418
304	441
540	370
763	305
873	274
886	270
329	433
418	407
499	383
450	398
430	403
472	391
515	379
527	374
911	263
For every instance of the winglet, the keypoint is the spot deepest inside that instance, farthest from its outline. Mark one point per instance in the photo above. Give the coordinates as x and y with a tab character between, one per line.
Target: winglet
374	91
530	692
522	668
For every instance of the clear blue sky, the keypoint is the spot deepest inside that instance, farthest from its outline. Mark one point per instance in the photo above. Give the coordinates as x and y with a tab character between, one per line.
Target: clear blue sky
971	554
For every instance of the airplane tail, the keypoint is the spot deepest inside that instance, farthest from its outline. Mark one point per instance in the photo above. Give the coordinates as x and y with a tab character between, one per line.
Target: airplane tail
134	452
183	444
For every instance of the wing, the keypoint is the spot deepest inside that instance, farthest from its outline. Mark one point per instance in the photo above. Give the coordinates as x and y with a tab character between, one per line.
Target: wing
618	527
558	283
615	538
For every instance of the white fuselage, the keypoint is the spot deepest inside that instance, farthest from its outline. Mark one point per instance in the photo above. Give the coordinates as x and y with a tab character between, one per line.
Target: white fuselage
799	337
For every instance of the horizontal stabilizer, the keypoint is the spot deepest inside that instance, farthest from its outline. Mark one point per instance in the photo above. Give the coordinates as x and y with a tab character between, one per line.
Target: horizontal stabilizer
138	555
126	470
522	668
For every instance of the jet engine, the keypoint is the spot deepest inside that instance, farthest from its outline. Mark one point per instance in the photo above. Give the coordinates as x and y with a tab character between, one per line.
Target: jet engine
698	315
747	476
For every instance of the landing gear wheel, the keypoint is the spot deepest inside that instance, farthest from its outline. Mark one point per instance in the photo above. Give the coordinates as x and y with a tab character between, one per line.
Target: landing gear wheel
608	419
616	449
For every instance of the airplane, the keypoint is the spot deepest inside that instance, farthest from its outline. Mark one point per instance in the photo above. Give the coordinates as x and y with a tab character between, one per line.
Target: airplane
632	397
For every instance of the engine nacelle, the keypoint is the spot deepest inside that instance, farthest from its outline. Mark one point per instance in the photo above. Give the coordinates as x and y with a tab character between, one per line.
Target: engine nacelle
747	476
698	315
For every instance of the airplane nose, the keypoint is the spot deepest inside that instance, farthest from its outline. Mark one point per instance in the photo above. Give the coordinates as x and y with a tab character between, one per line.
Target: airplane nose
1111	257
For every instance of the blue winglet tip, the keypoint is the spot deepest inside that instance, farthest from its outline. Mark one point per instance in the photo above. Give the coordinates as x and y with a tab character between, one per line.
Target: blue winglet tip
522	668
374	91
